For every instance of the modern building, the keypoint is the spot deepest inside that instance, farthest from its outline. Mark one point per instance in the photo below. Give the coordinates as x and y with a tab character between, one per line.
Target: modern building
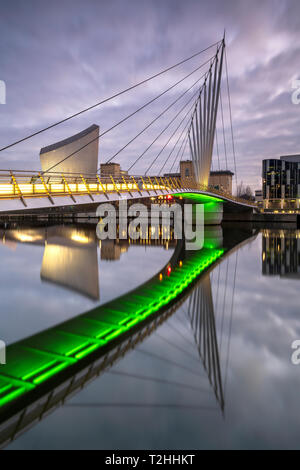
84	145
281	183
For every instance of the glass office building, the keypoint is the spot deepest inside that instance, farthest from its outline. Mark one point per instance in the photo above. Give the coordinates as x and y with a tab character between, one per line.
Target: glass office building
281	183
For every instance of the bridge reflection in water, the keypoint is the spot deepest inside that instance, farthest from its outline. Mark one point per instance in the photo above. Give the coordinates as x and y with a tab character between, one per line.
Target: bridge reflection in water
44	370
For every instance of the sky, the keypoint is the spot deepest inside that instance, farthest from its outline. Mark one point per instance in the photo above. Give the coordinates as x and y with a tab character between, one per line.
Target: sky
59	57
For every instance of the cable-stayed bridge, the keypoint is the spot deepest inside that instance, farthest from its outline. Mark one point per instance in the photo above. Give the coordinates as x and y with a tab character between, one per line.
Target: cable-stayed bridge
195	137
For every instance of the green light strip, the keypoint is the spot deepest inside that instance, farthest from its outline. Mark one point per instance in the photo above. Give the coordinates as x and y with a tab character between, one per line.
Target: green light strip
197	197
34	360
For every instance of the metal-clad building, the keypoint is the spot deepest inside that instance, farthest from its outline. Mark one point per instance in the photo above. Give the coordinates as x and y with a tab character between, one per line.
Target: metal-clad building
84	160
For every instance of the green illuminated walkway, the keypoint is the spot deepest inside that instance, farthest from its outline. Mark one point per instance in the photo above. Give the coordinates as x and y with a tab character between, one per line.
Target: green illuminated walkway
198	197
33	361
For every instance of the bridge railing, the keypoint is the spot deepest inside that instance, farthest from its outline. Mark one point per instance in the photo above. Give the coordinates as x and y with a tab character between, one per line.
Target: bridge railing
25	184
22	184
192	184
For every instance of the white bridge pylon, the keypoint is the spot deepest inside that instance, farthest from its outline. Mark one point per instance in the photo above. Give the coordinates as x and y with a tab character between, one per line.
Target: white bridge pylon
203	124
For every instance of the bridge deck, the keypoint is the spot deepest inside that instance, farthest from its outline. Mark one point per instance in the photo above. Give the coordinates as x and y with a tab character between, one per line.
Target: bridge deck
23	191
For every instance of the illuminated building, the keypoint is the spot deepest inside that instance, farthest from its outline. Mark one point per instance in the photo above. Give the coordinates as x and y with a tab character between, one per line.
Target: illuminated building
281	183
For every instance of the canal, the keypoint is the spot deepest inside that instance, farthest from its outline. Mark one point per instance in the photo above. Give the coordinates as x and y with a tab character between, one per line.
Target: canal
215	373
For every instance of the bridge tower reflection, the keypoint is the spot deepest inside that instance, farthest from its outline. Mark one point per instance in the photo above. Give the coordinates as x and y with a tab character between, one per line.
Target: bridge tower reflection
202	318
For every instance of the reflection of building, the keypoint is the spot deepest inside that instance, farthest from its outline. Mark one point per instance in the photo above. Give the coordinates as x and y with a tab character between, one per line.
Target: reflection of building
75	268
281	253
83	161
70	255
281	183
110	251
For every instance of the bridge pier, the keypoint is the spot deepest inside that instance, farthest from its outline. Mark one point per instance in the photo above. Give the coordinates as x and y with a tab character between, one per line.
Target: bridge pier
213	213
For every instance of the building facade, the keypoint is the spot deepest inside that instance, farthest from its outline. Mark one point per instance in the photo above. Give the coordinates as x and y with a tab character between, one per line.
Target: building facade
221	180
84	161
110	169
281	183
187	173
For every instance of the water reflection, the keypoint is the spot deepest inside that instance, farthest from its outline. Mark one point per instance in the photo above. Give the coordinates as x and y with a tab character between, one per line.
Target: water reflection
70	252
106	322
202	317
281	253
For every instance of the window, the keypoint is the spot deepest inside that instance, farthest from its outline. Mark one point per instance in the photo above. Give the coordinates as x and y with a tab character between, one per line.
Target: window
187	172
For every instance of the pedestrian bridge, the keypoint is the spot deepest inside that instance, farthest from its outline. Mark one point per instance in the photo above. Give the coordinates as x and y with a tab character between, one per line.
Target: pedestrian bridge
26	192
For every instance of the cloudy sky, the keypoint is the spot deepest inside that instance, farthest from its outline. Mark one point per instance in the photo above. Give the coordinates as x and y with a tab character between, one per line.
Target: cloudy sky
61	56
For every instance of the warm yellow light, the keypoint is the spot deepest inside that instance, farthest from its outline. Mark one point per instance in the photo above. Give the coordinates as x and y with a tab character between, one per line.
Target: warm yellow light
23	237
76	237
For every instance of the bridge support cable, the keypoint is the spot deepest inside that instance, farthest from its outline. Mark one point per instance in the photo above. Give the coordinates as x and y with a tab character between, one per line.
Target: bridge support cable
182	146
203	124
224	303
154	380
174	147
169	140
201	316
223	128
128	116
105	100
210	118
164	129
218	151
230	322
162	113
230	116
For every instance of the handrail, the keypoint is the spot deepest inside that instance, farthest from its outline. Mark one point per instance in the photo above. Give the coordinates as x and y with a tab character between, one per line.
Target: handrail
31	184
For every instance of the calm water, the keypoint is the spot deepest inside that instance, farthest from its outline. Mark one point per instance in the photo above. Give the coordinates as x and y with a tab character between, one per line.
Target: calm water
159	396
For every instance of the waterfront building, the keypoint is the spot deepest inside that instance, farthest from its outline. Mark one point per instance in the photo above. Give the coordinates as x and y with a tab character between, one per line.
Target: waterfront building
84	161
281	184
220	180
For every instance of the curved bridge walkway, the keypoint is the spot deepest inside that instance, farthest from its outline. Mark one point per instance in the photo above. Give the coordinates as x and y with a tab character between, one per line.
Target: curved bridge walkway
22	192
